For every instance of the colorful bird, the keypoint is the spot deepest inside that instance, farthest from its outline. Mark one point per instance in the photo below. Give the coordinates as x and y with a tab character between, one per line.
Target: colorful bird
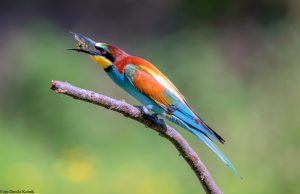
153	89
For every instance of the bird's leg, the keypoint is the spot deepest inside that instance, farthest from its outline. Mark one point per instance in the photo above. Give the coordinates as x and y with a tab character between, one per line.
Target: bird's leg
153	117
146	110
143	109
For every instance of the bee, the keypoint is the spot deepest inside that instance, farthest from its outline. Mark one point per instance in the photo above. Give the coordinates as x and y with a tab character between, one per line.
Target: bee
81	44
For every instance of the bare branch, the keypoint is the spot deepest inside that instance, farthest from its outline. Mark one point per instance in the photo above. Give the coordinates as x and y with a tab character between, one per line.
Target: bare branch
135	113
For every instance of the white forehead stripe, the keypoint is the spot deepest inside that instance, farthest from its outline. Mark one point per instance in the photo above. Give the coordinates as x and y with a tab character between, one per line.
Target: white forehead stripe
98	44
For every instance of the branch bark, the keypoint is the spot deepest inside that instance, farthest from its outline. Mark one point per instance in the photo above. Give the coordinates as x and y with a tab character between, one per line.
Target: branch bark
135	113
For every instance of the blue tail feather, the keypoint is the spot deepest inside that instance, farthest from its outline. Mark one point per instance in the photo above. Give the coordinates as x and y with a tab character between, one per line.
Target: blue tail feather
197	126
206	140
183	111
217	150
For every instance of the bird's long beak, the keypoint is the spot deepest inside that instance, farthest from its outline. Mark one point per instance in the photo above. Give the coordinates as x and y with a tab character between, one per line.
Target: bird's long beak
84	44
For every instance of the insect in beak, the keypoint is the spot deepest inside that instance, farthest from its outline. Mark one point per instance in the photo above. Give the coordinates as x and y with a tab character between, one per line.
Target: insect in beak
83	44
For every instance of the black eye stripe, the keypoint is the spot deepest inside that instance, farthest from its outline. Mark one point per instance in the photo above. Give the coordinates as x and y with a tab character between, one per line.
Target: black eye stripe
99	48
105	54
109	56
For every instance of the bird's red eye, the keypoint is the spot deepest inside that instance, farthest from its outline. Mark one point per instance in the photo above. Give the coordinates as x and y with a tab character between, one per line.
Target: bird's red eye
103	52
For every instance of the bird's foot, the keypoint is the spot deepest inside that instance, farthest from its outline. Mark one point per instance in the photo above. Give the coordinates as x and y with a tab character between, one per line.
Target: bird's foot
143	109
147	114
161	122
153	117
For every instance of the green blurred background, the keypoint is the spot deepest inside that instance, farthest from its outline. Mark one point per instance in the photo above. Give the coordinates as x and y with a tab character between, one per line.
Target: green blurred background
237	62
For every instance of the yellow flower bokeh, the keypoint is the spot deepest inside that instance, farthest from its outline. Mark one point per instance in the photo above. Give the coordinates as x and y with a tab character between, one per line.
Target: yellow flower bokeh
76	165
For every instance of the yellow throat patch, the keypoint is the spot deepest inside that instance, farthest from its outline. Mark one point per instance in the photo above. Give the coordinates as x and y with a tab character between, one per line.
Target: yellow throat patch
101	61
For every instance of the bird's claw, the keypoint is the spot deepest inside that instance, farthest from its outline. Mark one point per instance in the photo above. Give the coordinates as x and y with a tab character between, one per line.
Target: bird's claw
153	117
161	122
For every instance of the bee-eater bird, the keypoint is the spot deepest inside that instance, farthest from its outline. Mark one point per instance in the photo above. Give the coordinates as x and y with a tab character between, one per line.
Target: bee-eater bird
153	89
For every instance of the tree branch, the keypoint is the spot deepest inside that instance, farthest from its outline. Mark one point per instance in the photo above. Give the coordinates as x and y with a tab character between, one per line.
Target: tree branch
135	113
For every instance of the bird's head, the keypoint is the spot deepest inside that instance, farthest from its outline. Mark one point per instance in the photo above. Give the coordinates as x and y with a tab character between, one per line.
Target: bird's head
103	54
